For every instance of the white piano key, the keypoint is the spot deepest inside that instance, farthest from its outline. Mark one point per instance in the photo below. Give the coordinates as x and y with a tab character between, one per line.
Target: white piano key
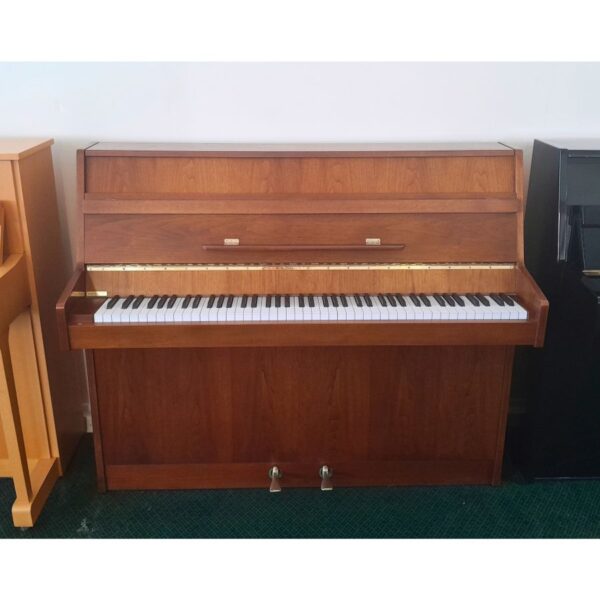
357	310
170	314
384	311
298	312
116	312
289	310
99	314
180	311
332	313
281	311
222	312
371	313
134	316
231	313
196	314
252	313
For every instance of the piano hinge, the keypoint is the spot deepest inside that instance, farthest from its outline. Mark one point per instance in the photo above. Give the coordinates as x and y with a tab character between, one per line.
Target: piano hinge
90	294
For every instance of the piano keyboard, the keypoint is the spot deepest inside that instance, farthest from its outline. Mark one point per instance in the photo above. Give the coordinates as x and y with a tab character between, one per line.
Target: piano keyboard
302	308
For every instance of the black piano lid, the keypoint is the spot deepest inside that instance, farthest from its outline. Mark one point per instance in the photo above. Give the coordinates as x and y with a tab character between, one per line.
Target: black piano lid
576	146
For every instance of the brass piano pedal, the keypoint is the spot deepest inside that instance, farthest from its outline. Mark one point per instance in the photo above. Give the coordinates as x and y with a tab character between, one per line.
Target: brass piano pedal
275	475
325	473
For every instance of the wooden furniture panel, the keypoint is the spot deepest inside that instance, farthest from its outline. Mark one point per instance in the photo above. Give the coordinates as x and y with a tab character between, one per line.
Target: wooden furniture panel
13	242
298	238
425	279
64	387
248	406
85	334
307	175
41	413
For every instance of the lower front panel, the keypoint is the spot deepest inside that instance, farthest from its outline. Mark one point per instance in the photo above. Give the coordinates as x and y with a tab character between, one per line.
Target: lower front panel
211	418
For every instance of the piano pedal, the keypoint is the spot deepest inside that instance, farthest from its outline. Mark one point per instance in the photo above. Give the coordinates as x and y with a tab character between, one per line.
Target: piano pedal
275	475
325	473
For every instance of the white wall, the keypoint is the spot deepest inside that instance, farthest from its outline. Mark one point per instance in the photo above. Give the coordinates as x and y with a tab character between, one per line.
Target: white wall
78	103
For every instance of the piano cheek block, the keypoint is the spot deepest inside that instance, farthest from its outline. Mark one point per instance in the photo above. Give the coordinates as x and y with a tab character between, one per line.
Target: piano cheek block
275	340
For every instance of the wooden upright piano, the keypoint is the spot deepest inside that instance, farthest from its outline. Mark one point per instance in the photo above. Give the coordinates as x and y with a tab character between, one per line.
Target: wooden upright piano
307	315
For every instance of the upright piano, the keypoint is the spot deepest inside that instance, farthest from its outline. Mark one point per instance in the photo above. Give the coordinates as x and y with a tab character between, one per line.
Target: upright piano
299	315
562	228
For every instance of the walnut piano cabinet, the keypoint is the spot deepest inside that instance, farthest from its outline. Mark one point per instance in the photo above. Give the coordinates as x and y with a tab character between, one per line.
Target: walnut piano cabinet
220	404
42	390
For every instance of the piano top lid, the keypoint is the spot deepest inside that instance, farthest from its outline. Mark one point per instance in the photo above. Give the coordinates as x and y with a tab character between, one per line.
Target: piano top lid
150	149
575	144
16	148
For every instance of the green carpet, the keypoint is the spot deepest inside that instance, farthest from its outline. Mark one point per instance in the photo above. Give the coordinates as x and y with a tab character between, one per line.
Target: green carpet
515	510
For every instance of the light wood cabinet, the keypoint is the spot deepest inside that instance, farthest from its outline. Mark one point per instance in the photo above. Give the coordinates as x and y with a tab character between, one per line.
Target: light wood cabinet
42	392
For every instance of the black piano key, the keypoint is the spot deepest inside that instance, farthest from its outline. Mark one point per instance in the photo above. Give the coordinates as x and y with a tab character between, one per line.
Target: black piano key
400	299
458	300
113	301
497	299
211	301
438	298
358	300
277	301
449	299
483	299
334	301
244	301
325	301
171	302
268	301
391	300
287	302
254	302
138	301
162	301
344	301
415	299
128	301
311	301
425	300
381	299
153	301
186	302
220	301
507	299
301	301
230	300
472	298
196	302
368	300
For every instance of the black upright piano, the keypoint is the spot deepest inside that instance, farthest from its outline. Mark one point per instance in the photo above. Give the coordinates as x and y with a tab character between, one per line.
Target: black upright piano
562	251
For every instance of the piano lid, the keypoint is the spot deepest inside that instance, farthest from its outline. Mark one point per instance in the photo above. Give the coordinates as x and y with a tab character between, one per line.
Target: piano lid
299	150
575	144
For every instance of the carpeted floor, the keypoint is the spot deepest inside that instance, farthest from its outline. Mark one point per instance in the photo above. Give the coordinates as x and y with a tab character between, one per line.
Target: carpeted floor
515	509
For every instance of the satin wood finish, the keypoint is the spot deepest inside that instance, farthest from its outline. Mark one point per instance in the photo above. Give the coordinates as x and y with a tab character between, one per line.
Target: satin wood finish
41	405
217	405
